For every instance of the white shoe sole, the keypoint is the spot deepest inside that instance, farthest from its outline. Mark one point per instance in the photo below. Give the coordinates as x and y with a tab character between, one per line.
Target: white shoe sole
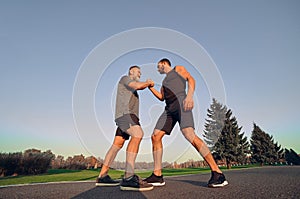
158	184
107	184
135	189
219	185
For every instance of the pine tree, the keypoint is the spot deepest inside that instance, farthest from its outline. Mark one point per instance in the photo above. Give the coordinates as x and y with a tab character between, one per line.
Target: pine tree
263	148
258	145
292	157
279	152
215	123
232	146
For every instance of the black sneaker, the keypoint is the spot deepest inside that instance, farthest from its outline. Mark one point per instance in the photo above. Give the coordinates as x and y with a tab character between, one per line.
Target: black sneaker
134	183
106	181
155	180
217	180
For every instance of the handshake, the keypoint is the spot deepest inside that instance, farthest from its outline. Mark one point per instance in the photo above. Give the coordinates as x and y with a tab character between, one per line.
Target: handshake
150	83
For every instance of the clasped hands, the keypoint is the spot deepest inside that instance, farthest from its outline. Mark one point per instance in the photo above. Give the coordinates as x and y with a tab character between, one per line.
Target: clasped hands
150	82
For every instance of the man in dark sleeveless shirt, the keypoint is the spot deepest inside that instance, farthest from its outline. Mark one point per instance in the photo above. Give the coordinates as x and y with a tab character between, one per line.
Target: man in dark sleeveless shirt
179	105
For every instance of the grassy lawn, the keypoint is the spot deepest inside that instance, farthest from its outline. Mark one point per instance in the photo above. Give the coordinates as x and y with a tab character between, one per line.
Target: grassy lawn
57	175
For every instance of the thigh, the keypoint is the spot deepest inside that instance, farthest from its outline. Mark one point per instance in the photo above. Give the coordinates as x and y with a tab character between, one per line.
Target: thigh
124	123
166	122
119	133
135	131
119	140
186	119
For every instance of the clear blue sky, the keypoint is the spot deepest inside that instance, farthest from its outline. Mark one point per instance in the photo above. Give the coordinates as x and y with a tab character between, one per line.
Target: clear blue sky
255	45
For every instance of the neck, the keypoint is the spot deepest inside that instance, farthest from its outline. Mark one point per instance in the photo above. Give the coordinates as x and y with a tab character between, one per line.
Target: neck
167	69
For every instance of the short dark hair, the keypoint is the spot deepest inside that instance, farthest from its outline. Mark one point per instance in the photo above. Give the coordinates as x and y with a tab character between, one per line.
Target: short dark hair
131	67
165	60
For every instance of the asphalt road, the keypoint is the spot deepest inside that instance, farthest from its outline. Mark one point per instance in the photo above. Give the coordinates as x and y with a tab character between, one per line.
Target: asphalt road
265	182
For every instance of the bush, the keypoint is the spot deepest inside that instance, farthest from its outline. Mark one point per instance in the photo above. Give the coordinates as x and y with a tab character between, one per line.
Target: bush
29	162
10	163
36	163
76	166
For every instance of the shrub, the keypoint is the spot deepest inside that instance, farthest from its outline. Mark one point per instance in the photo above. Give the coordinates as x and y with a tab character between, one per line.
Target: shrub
36	163
9	163
29	162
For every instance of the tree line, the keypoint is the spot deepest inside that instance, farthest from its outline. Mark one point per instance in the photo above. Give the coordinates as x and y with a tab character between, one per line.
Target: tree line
230	145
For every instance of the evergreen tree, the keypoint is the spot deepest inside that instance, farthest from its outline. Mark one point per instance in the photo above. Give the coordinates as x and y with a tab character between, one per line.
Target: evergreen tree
258	145
215	123
279	152
232	146
263	148
292	157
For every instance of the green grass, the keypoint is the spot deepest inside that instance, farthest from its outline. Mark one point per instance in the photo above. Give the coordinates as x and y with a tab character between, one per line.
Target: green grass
58	175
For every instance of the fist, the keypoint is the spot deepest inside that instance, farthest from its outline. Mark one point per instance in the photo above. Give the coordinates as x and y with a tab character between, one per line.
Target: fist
150	82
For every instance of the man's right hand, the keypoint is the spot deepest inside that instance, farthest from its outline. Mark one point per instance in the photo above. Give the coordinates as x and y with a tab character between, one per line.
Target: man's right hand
150	82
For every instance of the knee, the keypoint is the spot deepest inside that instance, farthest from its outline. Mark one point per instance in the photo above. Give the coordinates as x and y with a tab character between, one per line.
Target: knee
155	138
118	142
136	132
119	145
138	135
189	135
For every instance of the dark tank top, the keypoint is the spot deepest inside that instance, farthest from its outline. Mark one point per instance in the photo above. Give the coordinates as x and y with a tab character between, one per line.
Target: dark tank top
174	86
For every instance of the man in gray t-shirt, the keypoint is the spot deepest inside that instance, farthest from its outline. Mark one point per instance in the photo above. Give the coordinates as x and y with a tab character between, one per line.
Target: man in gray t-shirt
127	120
127	98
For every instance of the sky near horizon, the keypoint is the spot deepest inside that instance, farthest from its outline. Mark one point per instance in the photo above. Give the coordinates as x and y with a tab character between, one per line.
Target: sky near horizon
255	46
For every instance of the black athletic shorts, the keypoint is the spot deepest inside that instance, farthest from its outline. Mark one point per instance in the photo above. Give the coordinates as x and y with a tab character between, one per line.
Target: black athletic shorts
172	114
124	124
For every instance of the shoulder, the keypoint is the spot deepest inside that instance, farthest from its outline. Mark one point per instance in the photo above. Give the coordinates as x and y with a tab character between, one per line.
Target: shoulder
125	77
181	70
125	80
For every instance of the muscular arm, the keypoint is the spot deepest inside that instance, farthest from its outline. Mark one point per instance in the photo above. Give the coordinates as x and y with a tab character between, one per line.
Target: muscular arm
188	103
157	94
139	85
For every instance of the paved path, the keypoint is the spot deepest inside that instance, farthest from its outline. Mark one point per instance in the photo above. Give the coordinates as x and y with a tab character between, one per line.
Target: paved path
266	182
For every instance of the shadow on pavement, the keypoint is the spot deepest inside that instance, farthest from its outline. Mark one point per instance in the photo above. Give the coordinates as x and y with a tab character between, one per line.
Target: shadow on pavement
109	192
193	182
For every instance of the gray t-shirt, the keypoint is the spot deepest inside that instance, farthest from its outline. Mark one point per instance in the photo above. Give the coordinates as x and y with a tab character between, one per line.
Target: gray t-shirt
127	99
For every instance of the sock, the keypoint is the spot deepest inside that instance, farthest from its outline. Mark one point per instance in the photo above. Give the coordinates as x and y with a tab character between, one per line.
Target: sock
157	156
204	151
130	160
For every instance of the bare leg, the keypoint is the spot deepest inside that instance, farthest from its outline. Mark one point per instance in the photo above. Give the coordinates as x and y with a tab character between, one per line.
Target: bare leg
111	154
136	134
157	149
201	147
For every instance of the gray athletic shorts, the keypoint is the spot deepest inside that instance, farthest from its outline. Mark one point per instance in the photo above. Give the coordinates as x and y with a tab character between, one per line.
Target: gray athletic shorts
124	124
172	114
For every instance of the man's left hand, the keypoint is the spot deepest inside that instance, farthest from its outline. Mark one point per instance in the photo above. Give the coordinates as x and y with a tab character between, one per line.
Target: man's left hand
188	103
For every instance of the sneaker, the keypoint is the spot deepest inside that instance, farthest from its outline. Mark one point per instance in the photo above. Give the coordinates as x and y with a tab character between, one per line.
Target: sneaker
134	183
217	180
155	180
106	181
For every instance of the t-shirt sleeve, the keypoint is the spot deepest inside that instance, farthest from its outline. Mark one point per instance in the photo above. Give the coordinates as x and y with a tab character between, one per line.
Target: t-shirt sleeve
125	80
